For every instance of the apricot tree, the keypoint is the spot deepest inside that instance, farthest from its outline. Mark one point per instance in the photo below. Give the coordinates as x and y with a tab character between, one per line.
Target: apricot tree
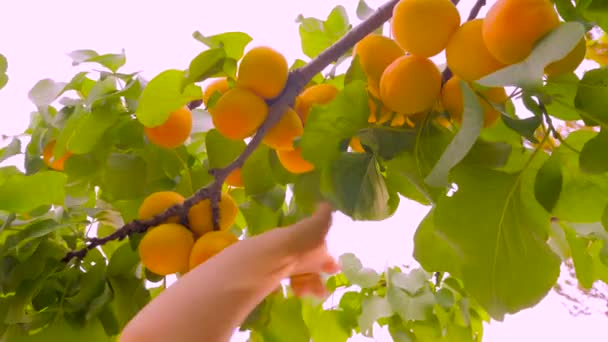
127	180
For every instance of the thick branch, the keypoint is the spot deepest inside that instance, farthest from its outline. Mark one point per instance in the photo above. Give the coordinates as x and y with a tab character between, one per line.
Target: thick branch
295	83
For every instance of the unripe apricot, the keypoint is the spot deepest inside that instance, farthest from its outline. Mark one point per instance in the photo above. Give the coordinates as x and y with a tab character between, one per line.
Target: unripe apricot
55	163
293	161
264	71
410	84
320	94
281	135
201	219
423	27
512	28
174	131
209	245
219	85
165	249
467	55
157	203
238	113
375	53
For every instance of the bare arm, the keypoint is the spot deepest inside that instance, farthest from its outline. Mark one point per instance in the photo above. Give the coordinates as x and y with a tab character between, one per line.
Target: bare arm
213	299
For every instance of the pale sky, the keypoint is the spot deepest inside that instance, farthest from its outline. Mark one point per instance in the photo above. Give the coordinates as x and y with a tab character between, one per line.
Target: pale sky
36	37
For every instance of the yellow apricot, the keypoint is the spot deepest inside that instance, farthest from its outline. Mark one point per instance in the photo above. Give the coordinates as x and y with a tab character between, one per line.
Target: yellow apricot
467	55
451	97
174	131
264	71
424	27
200	216
569	63
238	113
319	94
157	203
355	144
512	28
375	53
219	85
293	161
410	84
235	179
209	245
165	249
280	137
55	163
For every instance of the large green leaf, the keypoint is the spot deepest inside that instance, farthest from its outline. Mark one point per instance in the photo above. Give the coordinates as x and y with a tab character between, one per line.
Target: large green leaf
432	250
593	155
163	95
89	130
317	35
285	322
562	91
233	43
500	235
124	176
328	125
592	96
220	150
205	65
112	61
45	92
357	187
257	172
324	325
20	193
356	274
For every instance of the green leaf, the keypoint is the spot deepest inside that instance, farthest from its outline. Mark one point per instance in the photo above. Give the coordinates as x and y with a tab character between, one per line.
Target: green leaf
409	168
355	72
528	73
21	193
411	308
493	155
583	262
386	142
62	330
357	187
356	274
220	150
396	181
112	61
286	322
324	325
317	35
205	65
328	125
306	191
3	68
463	140
163	95
500	236
592	96
257	173
411	282
124	176
89	130
12	149
525	127
432	250
233	43
363	10
130	296
45	92
123	262
259	217
372	309
593	159
562	90
548	184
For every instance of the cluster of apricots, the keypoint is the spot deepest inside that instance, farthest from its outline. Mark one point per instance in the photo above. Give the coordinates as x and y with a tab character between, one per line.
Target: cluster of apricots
171	247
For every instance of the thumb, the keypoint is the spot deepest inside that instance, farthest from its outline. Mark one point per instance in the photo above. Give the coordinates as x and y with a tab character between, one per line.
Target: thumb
311	231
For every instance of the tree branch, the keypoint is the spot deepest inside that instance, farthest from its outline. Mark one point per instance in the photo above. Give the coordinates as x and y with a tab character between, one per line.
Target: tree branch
295	83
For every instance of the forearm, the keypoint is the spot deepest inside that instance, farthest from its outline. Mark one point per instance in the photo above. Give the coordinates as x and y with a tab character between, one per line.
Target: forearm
211	300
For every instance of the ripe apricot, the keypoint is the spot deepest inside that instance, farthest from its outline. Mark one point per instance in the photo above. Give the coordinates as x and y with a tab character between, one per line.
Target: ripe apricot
320	94
453	102
423	27
280	137
264	71
569	63
293	161
174	131
157	203
165	249
512	28
209	245
355	144
55	163
235	179
219	85
410	84
467	55
238	113
200	216
375	53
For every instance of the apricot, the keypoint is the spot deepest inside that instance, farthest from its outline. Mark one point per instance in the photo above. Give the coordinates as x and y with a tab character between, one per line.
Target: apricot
165	249
264	71
319	94
200	215
467	55
157	203
289	127
355	144
423	27
235	178
512	28
453	102
375	53
385	113
569	63
293	161
219	85
209	245
174	131
238	113
55	163
410	84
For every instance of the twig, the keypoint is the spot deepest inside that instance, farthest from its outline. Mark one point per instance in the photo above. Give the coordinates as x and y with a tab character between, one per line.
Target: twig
296	81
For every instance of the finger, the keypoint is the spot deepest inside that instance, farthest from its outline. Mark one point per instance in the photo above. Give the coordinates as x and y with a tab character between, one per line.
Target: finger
330	266
300	284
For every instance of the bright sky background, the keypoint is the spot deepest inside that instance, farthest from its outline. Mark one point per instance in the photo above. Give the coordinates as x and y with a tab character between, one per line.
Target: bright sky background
36	36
